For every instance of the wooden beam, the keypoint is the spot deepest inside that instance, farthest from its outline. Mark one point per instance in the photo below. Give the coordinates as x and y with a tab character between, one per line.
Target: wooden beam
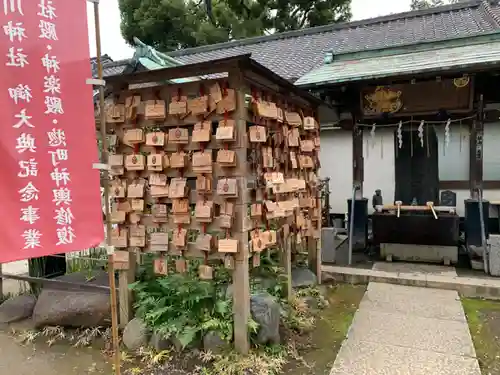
56	283
177	72
205	68
465	185
285	85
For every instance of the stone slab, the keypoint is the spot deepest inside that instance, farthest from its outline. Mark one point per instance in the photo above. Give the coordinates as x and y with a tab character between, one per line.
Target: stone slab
421	302
17	268
494	255
484	287
369	358
328	245
437	335
415	269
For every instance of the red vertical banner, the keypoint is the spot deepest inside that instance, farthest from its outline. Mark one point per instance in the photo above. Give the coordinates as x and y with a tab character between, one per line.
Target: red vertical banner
49	193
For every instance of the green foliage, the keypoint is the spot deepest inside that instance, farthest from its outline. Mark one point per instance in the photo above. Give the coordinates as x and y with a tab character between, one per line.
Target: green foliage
183	307
264	361
425	4
36	268
87	261
173	24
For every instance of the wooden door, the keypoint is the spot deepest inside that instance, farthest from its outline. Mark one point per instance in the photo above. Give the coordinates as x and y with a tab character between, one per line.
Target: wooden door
416	168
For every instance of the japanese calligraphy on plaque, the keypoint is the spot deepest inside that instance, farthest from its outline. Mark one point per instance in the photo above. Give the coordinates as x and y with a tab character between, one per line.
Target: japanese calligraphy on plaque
43	92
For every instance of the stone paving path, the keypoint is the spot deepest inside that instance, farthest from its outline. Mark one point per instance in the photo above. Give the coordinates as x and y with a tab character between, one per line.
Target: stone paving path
403	330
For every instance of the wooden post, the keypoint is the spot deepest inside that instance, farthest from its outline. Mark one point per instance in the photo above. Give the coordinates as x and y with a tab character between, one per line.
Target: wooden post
241	282
125	278
286	259
105	157
357	159
314	249
318	249
476	150
314	244
1	282
314	254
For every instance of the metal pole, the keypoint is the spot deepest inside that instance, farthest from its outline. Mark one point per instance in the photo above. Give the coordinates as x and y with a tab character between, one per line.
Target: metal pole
55	282
351	224
111	271
484	244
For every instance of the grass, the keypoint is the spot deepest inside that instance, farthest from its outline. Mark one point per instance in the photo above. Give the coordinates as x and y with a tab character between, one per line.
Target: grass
319	349
313	340
483	317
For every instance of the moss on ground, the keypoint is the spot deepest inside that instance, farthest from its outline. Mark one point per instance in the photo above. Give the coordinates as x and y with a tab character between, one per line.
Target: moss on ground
483	317
320	348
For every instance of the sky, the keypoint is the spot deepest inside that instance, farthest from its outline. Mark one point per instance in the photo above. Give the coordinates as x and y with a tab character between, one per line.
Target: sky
114	45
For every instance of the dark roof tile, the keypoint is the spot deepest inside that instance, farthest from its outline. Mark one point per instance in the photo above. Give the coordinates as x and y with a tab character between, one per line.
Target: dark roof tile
292	54
115	67
93	63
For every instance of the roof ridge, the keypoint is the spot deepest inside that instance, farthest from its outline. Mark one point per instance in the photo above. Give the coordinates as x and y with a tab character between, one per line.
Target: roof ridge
327	28
103	57
443	43
112	63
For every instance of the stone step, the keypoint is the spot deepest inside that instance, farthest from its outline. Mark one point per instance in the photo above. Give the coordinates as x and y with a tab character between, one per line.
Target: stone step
486	287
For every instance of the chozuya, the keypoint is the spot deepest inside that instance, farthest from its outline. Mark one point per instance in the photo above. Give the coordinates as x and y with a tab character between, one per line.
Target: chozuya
11	6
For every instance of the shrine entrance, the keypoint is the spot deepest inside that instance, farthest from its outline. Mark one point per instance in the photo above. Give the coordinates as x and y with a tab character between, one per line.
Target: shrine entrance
416	168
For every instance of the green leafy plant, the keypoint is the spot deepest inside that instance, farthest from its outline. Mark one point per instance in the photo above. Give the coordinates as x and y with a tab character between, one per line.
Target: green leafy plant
174	305
182	307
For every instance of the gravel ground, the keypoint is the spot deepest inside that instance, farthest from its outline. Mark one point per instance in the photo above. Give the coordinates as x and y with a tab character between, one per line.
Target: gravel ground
40	359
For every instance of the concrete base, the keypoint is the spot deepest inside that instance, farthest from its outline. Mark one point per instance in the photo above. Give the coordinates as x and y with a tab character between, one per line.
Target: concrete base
419	253
328	245
494	258
487	287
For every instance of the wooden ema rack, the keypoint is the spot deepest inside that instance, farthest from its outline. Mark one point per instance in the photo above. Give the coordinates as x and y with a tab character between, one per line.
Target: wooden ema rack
218	169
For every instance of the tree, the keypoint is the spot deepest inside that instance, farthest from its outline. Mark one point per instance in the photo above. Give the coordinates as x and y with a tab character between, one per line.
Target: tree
425	4
168	25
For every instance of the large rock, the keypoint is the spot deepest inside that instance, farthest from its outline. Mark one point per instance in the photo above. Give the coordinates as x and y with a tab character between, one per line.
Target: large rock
159	343
261	284
17	308
266	311
303	277
70	306
135	334
214	343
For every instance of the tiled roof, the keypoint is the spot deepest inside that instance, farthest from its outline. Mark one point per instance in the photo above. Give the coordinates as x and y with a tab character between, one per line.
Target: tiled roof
292	54
93	62
469	53
112	68
109	66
